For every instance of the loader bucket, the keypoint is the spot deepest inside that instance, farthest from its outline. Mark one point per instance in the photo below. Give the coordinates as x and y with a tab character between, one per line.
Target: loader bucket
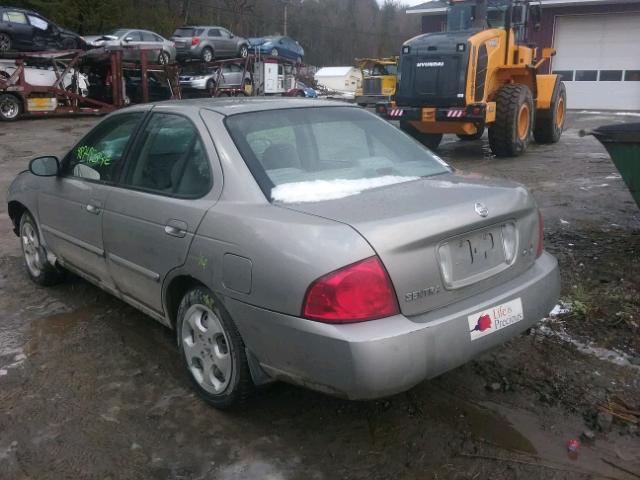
622	141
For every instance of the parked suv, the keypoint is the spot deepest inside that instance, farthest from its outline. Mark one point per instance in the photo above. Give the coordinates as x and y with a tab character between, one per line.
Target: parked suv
26	31
207	43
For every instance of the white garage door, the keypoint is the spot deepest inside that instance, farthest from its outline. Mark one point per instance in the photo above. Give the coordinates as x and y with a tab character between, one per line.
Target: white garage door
599	59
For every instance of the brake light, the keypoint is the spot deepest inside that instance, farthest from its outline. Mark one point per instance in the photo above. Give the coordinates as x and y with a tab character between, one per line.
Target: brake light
195	41
382	109
356	293
540	247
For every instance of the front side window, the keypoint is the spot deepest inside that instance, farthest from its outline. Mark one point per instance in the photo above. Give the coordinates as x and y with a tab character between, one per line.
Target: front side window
340	146
170	159
38	22
100	154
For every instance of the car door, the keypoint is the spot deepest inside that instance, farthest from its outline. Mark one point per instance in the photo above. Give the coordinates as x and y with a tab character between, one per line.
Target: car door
229	43
215	39
149	41
71	210
19	29
132	39
164	193
43	37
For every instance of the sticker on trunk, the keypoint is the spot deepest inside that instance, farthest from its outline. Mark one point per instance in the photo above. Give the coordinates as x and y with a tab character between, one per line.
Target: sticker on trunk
495	318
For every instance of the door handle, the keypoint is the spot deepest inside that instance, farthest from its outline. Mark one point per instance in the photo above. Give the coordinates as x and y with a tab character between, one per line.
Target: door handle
93	209
176	228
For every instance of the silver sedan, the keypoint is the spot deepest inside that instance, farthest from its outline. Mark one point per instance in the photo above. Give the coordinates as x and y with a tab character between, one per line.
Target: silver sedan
162	50
282	239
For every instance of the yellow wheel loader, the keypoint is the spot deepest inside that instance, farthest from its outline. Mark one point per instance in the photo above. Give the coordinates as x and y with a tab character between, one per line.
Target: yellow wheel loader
479	73
378	80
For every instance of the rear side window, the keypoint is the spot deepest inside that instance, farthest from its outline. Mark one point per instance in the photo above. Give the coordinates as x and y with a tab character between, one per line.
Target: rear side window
170	159
149	37
14	17
187	32
99	155
213	32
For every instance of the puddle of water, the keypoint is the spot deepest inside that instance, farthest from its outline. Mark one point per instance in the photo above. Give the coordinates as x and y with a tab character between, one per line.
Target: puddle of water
482	423
57	325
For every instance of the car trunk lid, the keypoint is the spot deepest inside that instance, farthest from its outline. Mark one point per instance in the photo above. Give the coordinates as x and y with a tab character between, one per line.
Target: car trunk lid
435	238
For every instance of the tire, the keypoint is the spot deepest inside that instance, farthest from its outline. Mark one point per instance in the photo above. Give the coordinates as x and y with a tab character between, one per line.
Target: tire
300	94
510	134
5	43
207	55
163	58
274	52
243	52
69	44
212	350
299	61
10	107
35	256
211	87
429	140
475	136
550	123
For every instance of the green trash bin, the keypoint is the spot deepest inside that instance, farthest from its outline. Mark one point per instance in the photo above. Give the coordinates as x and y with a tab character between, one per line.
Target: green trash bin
622	141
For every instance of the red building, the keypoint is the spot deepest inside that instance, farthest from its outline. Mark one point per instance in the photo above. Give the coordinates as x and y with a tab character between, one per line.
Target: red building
597	43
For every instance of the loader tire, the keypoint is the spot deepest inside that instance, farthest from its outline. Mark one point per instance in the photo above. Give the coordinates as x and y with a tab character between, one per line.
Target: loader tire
429	140
550	123
510	134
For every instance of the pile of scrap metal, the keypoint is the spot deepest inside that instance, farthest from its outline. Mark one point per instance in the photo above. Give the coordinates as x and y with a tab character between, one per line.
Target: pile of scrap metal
80	82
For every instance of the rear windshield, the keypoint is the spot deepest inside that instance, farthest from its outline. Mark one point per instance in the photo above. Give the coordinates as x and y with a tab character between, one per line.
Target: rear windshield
325	149
187	32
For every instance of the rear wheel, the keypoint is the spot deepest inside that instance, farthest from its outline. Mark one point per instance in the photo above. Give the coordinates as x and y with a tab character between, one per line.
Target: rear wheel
34	254
211	87
510	134
5	42
212	350
550	123
207	55
10	107
429	140
473	136
244	51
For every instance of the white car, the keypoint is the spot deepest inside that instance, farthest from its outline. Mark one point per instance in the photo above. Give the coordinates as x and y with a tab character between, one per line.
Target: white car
45	77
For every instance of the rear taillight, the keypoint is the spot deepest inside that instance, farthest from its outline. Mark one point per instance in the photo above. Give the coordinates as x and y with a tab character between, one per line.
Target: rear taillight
540	247
195	41
356	293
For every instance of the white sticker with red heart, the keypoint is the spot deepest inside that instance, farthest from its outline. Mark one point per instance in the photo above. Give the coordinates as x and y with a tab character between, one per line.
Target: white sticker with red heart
495	318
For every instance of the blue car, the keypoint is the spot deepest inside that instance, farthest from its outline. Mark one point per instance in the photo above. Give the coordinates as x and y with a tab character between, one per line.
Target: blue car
277	46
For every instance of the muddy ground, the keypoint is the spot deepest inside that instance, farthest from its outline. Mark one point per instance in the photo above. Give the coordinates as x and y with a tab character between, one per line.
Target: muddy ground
91	388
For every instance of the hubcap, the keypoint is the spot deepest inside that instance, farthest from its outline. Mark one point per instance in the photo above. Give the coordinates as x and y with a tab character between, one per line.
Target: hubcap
31	249
5	42
9	107
274	53
560	113
206	349
523	121
163	59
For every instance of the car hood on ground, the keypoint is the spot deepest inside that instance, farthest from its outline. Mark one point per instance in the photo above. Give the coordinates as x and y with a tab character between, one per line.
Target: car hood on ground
405	223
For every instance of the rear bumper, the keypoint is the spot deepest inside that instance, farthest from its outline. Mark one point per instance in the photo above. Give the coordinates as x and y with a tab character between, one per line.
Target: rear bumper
471	113
387	356
371	99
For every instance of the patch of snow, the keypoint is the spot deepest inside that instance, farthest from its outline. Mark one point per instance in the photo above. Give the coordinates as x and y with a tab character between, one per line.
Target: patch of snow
600	112
3	372
564	222
319	190
612	356
613	176
560	309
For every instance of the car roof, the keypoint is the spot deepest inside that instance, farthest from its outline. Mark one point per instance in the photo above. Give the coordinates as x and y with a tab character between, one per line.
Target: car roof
236	105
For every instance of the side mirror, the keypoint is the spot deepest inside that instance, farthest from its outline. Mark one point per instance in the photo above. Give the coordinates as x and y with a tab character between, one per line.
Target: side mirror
45	166
128	39
535	13
231	35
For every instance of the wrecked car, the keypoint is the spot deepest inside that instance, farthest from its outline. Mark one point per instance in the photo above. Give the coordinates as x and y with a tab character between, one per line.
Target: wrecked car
309	242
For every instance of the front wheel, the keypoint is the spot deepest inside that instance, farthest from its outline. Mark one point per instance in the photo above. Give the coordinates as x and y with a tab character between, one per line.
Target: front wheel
163	58
35	257
274	52
10	107
510	134
429	140
212	350
550	123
